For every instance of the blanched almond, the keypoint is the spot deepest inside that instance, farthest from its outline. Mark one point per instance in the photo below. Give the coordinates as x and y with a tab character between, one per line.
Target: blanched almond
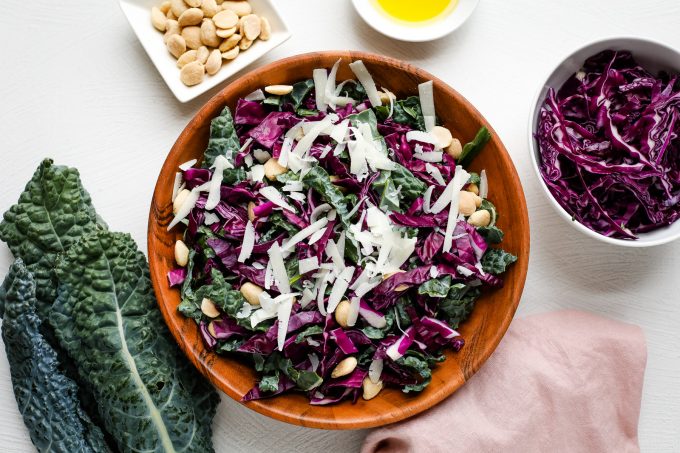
480	218
341	313
251	26
474	189
202	54
251	292
193	3
371	390
192	73
279	90
344	367
209	8
176	45
186	58
467	202
170	15
171	28
266	29
225	33
192	36
455	149
165	7
181	253
241	8
178	7
225	19
179	200
158	19
214	62
209	309
208	33
442	135
230	43
231	54
272	169
192	16
244	43
251	211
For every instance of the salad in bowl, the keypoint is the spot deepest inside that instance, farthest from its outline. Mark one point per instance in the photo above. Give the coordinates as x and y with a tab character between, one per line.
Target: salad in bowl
334	237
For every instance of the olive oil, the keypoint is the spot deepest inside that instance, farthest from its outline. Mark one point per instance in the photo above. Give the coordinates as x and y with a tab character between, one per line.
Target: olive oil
416	11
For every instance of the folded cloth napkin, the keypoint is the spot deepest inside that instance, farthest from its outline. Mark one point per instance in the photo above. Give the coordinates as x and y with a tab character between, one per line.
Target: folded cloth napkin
566	381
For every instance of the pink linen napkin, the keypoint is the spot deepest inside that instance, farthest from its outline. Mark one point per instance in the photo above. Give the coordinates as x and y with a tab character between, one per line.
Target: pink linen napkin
567	381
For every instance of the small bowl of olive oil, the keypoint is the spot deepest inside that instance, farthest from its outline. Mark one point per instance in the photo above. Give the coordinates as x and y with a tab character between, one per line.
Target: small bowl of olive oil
415	20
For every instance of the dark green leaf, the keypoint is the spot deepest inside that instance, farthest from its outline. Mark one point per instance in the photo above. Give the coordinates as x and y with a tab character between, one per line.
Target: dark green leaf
473	148
47	399
269	383
420	367
495	261
229	345
52	213
223	140
406	111
274	101
386	191
373	333
486	204
299	93
149	396
474	178
308	332
437	287
492	234
457	306
306	112
318	179
276	220
411	187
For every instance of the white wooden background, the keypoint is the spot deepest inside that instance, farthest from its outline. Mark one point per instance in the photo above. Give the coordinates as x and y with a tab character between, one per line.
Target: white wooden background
77	86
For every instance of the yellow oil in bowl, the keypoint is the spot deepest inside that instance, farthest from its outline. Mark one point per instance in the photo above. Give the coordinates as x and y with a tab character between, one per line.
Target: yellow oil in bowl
416	12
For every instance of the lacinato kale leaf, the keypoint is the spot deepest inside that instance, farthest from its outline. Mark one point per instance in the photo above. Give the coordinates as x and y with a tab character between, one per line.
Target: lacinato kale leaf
149	396
318	179
387	192
495	261
406	111
473	148
411	187
458	304
300	91
436	287
491	234
47	399
223	139
52	213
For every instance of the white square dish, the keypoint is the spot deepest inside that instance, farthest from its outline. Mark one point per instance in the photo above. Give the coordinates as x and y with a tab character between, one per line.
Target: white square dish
138	13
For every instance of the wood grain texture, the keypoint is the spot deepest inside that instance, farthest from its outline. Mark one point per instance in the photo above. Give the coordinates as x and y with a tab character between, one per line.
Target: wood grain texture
482	332
79	87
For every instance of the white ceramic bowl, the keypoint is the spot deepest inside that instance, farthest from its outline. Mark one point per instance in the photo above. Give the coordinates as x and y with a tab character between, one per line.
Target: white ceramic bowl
371	13
654	57
138	13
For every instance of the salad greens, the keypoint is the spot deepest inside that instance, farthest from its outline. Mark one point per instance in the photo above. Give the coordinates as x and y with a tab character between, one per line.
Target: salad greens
352	248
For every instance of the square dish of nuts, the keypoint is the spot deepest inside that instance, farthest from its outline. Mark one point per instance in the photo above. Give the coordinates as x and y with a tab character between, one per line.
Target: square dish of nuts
196	44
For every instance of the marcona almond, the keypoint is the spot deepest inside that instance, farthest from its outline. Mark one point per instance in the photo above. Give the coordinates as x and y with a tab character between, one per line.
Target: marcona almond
226	19
192	36
341	313
467	203
202	54
178	7
239	7
231	54
442	135
474	189
179	200
186	58
176	45
251	211
225	33
266	29
165	7
455	149
244	44
209	309
272	169
278	90
251	292
480	218
193	3
158	19
371	390
208	33
170	15
192	73
230	43
209	8
192	16
251	26
344	367
171	28
181	253
214	62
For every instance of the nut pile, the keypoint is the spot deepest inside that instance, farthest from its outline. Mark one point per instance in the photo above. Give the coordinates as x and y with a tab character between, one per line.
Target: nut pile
203	34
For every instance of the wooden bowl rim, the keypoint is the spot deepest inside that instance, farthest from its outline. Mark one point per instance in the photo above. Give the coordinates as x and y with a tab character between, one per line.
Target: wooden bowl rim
333	418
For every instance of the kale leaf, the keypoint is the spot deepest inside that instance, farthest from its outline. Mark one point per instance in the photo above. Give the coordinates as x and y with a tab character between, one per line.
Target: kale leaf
52	213
300	91
406	111
47	399
386	191
149	396
411	187
495	261
223	139
458	304
317	178
436	287
473	148
491	234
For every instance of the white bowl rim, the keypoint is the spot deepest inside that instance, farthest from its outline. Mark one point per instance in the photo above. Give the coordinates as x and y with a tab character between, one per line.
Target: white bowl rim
533	151
414	34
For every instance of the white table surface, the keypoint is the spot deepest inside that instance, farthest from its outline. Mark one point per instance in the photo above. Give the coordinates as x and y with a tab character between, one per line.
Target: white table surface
77	86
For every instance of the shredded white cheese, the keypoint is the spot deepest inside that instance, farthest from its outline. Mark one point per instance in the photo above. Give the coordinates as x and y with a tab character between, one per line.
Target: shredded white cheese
257	95
257	173
353	312
455	185
308	264
375	370
359	69
188	164
426	94
273	195
306	143
483	185
283	315
248	242
176	185
304	233
433	156
188	204
320	77
279	268
220	164
339	288
261	155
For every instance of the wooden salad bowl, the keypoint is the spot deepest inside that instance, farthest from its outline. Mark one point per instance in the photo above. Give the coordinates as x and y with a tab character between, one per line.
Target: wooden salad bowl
482	331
